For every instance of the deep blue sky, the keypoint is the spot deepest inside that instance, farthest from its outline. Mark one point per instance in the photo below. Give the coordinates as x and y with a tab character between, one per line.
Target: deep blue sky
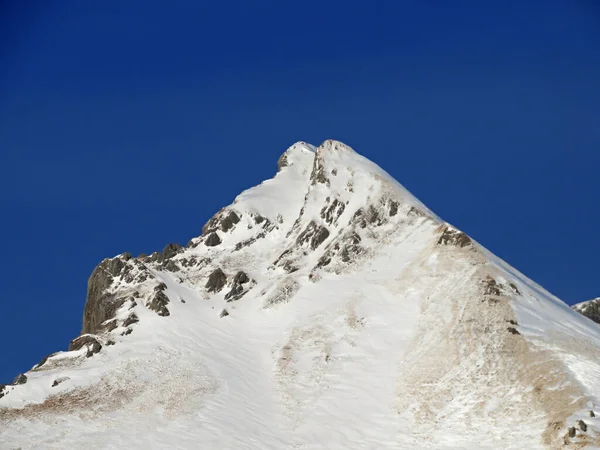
124	125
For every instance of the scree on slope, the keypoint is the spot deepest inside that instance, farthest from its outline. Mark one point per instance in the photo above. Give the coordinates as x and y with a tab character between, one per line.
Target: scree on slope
326	308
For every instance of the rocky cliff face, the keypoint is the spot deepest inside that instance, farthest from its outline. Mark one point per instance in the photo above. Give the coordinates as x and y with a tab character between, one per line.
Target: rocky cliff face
590	309
325	308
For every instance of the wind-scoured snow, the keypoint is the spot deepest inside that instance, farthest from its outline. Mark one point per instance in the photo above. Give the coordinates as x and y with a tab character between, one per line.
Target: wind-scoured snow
326	308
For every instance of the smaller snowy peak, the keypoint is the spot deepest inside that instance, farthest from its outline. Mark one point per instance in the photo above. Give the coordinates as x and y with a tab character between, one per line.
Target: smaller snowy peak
297	151
331	145
590	309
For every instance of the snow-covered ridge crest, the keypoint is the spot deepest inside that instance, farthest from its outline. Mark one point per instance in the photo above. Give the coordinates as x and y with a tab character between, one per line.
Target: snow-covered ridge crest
324	308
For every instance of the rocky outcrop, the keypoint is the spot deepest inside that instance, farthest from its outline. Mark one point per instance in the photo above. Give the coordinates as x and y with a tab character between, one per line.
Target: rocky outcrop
212	240
331	212
20	379
102	305
282	162
369	216
59	380
346	250
224	221
313	234
237	288
86	340
590	309
455	238
133	318
216	281
170	250
159	301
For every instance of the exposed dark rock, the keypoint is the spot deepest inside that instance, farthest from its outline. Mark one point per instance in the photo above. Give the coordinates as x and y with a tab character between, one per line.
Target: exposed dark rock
133	318
127	332
101	306
212	240
346	249
170	250
224	313
289	267
212	224
241	278
590	309
592	414
332	212
2	389
160	287
514	288
84	340
572	432
267	226
188	262
513	322
142	257
236	292
224	220
513	330
372	216
156	257
229	221
237	289
248	242
110	325
280	257
582	425
21	379
350	252
318	172
192	243
159	303
324	260
492	287
359	218
59	380
282	162
172	267
314	234
216	281
95	310
454	237
394	208
110	342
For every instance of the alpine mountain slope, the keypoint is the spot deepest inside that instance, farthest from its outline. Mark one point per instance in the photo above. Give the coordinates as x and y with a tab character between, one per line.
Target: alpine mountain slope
326	308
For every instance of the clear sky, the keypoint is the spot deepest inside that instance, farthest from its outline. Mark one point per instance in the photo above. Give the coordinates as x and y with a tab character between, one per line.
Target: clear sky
124	125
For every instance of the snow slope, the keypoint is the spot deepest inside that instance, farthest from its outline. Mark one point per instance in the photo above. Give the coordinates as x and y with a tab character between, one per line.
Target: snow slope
326	308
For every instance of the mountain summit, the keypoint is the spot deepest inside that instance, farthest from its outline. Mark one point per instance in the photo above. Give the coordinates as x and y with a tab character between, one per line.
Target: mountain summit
326	308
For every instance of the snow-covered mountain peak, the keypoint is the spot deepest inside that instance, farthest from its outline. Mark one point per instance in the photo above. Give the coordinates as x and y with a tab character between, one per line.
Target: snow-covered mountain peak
324	308
298	152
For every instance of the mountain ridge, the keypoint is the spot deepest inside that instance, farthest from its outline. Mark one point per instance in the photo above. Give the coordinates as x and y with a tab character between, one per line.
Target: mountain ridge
328	265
